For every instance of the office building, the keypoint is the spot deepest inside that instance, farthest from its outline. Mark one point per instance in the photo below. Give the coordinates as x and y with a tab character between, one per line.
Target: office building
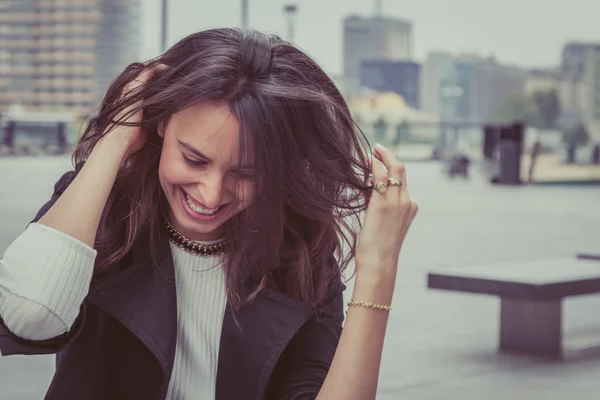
467	87
450	87
62	54
119	40
495	83
555	79
574	58
592	82
430	85
574	63
400	77
373	38
458	91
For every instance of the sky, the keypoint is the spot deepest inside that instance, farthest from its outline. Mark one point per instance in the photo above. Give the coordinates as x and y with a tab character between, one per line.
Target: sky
530	33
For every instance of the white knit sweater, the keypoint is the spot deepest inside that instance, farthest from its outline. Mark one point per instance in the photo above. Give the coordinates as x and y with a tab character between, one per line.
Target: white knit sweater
45	275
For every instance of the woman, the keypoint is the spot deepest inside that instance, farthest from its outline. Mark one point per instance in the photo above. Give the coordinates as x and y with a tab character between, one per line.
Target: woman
195	252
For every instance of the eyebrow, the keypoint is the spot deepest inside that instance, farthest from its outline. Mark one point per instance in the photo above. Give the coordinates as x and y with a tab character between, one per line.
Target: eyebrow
198	153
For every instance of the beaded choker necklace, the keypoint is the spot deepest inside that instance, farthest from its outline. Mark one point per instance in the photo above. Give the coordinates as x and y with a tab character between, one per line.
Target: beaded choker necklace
191	246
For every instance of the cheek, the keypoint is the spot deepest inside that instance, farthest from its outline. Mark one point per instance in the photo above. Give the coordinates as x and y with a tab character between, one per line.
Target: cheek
171	171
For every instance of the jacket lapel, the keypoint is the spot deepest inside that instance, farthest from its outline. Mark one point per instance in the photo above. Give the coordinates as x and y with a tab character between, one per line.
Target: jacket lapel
143	298
252	340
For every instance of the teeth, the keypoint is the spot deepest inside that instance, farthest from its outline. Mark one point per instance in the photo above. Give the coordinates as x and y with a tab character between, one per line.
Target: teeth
199	210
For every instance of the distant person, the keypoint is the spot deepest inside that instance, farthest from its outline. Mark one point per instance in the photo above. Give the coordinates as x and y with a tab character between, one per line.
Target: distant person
459	165
535	152
195	252
596	154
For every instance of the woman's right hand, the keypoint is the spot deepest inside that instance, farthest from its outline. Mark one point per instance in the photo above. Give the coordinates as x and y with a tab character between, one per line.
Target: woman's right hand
133	137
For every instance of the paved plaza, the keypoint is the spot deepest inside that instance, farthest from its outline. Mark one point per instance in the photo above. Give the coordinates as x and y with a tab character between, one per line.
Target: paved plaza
440	345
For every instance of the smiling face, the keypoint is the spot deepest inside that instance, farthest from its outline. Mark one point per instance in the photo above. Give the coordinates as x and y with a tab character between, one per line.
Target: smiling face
199	170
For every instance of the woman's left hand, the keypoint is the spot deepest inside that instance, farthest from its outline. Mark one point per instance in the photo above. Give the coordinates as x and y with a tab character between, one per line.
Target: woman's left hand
387	218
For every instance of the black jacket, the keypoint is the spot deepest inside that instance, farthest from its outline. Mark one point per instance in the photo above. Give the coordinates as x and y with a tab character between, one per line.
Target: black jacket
122	345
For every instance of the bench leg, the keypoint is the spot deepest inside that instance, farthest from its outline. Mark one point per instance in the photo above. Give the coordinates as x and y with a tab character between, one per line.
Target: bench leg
531	327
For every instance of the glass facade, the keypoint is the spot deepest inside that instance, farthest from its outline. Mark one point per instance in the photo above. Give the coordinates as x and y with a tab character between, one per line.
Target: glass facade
376	38
458	90
401	77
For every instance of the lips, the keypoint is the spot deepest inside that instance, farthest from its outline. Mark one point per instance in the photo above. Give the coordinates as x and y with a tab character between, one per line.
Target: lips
196	215
197	205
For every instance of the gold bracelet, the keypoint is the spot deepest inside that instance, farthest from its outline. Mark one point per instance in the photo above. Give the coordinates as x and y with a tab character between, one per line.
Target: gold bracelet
369	305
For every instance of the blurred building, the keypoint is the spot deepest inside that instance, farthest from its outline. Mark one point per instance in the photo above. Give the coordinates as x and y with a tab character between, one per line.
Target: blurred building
400	77
548	79
574	63
574	58
450	87
373	38
389	118
431	87
592	82
496	82
458	91
62	54
543	80
467	87
119	40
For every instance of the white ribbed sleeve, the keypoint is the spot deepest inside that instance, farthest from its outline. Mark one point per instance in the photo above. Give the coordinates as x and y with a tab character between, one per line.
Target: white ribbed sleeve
44	276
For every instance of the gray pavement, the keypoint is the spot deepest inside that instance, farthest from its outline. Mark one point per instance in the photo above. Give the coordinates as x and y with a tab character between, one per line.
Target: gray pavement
440	345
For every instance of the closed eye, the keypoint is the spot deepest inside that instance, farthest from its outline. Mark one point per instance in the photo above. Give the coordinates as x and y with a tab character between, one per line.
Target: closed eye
193	163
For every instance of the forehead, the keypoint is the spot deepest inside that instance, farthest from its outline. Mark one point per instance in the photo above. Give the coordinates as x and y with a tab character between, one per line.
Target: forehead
211	128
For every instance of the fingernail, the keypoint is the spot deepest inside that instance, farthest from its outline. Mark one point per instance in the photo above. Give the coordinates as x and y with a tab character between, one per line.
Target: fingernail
379	145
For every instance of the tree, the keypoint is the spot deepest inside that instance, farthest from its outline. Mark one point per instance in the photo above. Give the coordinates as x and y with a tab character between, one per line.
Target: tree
402	133
380	128
548	108
518	107
573	138
578	135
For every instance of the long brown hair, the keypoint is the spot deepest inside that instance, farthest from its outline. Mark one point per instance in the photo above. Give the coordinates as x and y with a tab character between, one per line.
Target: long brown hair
312	170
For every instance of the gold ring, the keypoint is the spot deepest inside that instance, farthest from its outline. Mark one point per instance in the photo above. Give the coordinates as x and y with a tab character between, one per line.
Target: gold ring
395	182
381	187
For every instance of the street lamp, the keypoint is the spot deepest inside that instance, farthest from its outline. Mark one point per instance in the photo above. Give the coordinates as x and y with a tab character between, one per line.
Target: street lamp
164	26
244	14
291	11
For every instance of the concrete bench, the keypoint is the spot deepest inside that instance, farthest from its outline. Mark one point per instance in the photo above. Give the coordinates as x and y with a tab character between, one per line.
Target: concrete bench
531	296
588	256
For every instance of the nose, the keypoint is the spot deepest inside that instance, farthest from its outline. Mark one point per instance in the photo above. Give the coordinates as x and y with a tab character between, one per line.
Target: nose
212	190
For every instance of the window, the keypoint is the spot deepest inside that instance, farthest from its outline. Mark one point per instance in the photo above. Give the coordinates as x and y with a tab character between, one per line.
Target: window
21	58
20	84
23	6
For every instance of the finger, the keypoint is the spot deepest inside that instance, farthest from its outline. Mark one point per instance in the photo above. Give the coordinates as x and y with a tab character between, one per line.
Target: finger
395	168
144	77
160	68
150	73
384	155
379	172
